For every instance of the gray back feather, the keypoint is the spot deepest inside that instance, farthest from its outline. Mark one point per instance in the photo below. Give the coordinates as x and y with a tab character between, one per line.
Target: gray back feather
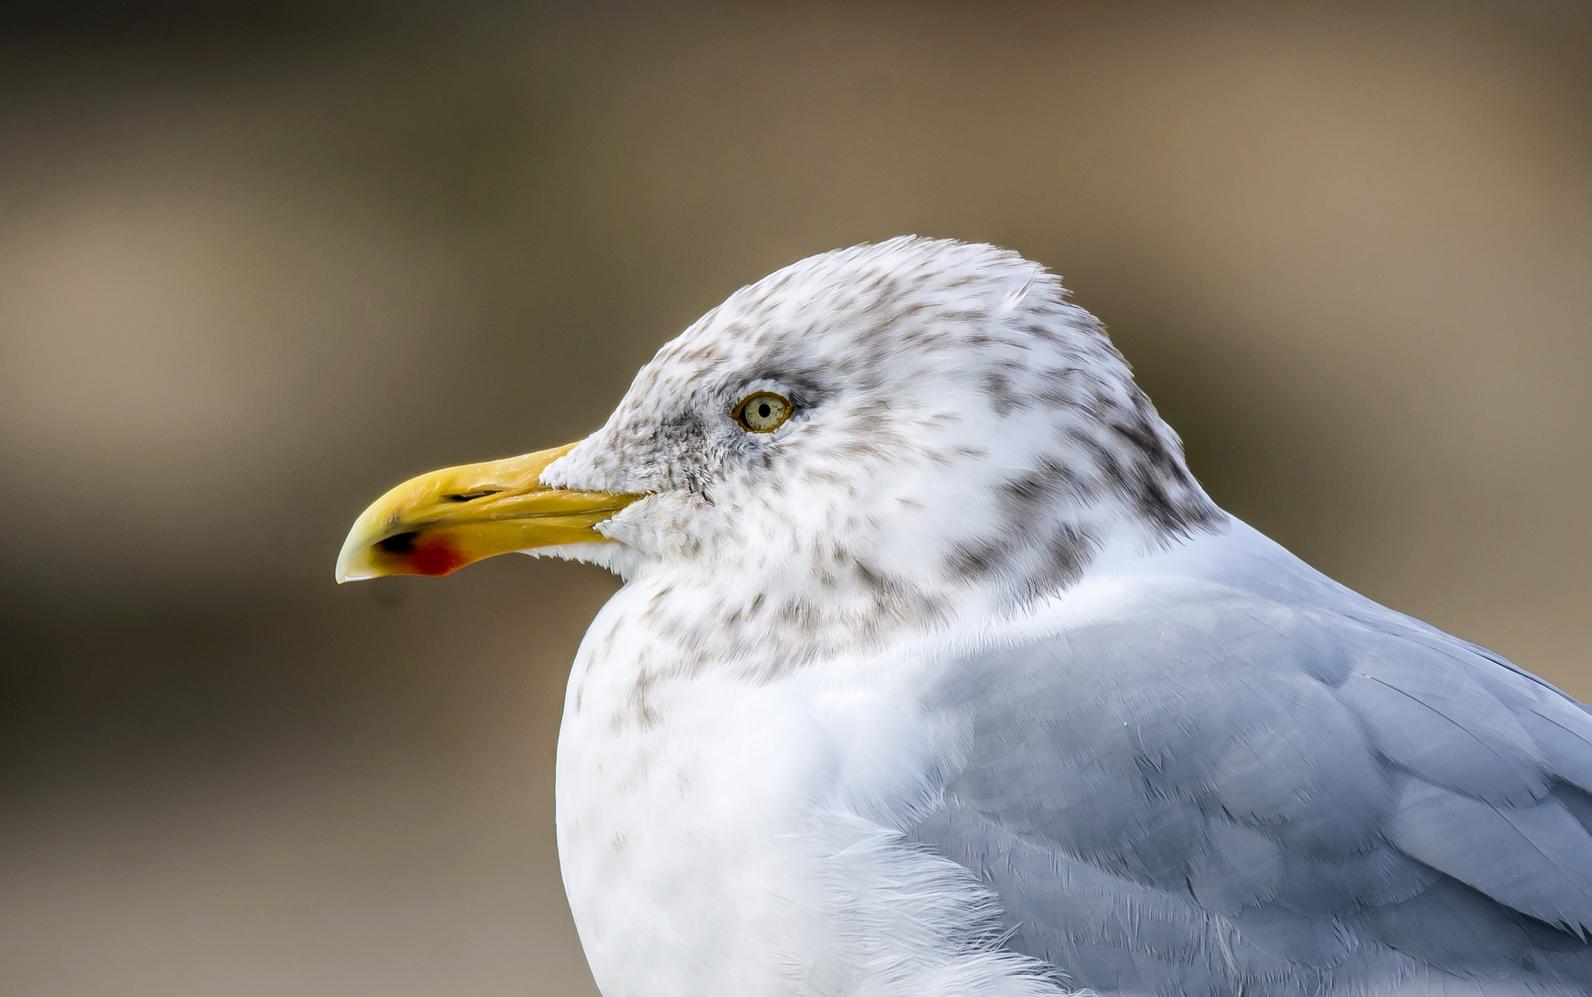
1256	781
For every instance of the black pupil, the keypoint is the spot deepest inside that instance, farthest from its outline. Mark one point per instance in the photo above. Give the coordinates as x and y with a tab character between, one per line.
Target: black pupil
763	410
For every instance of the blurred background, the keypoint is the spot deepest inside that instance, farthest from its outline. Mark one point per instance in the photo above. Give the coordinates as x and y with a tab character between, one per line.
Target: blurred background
259	261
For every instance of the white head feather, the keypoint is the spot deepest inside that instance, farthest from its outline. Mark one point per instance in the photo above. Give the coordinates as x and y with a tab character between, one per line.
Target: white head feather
962	435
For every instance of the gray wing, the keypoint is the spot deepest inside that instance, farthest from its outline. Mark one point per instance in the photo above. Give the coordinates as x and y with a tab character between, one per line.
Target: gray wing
1243	794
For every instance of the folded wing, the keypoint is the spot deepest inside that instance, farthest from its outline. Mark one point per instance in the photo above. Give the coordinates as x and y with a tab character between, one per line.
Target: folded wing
1239	792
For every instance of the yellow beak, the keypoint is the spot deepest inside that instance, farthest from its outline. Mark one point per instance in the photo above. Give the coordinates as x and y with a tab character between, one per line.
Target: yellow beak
439	522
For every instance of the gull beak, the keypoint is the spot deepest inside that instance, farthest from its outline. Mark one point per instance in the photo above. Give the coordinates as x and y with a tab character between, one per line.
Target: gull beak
439	522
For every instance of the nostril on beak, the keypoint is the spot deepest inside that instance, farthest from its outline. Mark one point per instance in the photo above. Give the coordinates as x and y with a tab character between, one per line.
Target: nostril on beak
472	496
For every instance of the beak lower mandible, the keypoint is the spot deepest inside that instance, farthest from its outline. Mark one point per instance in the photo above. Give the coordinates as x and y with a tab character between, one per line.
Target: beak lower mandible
439	522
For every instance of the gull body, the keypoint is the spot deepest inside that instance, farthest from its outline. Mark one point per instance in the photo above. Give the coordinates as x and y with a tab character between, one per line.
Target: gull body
935	671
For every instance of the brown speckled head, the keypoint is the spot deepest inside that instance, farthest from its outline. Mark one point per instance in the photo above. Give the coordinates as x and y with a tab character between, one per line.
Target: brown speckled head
957	426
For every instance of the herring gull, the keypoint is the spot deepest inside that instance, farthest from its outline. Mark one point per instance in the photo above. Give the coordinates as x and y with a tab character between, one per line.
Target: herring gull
936	672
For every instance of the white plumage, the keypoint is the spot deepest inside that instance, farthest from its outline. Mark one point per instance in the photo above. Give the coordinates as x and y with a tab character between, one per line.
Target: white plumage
957	683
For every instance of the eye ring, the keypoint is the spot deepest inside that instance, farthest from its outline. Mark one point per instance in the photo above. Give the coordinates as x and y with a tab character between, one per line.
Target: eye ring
762	411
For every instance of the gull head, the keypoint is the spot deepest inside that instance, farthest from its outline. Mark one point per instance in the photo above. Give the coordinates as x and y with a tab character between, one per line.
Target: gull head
868	434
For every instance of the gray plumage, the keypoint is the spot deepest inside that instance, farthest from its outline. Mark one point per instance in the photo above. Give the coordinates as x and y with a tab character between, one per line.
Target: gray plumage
1257	781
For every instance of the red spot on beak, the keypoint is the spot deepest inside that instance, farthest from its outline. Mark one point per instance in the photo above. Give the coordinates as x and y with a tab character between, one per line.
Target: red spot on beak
435	556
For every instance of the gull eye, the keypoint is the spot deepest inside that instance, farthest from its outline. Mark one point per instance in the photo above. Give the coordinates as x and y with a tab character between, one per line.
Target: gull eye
762	411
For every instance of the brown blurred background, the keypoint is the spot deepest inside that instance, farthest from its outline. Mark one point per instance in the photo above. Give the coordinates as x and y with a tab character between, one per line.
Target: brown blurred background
259	261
